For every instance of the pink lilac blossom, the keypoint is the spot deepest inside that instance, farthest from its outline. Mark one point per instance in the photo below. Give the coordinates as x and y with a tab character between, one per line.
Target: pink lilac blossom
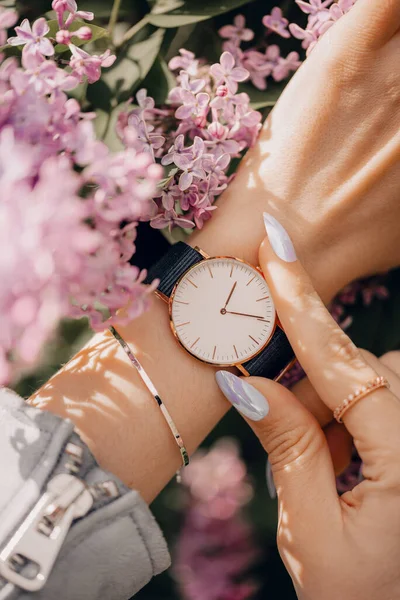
215	548
205	124
61	7
8	18
33	39
85	65
69	208
238	32
276	22
264	62
321	16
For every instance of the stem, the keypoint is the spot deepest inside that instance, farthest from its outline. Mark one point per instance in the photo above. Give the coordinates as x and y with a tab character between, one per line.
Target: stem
114	17
133	30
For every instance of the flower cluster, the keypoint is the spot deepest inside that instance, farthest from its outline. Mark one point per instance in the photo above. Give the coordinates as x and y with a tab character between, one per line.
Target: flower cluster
205	124
69	208
322	14
264	61
215	548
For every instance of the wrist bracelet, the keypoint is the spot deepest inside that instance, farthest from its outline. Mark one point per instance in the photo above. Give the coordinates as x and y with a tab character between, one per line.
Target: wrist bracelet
152	389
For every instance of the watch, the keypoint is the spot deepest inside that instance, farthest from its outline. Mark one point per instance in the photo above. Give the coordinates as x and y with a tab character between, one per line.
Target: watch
222	312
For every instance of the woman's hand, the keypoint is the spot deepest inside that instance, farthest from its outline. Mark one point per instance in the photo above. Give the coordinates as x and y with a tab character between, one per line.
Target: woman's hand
347	547
327	163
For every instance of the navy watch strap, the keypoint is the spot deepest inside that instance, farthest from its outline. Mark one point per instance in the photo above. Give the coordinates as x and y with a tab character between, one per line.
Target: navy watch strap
172	266
273	359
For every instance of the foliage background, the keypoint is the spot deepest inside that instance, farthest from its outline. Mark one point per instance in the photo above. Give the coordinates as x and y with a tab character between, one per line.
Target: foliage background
161	27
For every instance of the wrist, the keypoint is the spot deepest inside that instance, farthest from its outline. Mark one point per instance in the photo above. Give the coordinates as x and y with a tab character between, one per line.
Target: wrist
237	229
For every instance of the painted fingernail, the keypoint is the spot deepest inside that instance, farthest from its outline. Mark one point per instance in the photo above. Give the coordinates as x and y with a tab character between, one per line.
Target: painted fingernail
243	396
279	239
270	481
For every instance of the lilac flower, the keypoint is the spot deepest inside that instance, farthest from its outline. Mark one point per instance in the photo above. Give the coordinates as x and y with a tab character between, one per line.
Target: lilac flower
322	15
309	37
193	105
169	219
216	168
186	61
189	174
84	64
215	547
62	6
65	37
237	32
276	22
33	38
313	7
8	18
43	75
285	66
226	72
185	84
144	101
184	157
259	68
44	136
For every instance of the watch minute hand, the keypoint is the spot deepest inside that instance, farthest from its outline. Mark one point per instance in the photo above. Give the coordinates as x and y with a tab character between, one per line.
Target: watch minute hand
228	312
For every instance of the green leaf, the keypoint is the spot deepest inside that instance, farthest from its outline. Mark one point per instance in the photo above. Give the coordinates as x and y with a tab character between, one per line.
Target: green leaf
105	127
164	6
97	33
100	95
260	99
159	81
132	65
193	12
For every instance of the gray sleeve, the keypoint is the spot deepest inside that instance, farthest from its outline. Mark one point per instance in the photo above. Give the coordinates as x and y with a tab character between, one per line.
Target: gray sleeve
112	552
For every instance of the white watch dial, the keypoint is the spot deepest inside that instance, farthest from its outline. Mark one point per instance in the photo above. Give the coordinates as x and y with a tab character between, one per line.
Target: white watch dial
222	311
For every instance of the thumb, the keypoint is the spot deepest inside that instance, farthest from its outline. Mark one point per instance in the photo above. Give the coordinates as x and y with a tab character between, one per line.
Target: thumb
298	452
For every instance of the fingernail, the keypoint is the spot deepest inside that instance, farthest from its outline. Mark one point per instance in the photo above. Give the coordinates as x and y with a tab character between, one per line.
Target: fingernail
244	397
270	482
279	239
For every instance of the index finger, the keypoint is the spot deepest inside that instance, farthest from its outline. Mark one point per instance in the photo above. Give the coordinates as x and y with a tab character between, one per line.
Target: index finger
334	365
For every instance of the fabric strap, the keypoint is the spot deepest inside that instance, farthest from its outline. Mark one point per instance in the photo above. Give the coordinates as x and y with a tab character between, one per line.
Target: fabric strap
271	361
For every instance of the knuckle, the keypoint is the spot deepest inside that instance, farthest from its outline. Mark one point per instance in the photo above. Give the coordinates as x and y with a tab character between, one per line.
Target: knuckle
341	349
294	445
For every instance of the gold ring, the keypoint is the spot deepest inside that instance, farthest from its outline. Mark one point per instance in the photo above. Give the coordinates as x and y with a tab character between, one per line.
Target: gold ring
362	392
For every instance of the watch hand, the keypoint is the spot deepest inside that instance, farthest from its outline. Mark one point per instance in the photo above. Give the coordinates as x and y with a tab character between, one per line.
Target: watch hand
228	312
230	295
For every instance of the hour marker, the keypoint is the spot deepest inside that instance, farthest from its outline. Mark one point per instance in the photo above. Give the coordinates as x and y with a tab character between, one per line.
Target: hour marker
190	281
180	302
209	268
194	343
265	298
234	347
254	340
251	281
182	324
231	271
215	350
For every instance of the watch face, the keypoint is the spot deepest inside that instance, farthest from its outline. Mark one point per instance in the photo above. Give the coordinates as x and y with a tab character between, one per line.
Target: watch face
222	311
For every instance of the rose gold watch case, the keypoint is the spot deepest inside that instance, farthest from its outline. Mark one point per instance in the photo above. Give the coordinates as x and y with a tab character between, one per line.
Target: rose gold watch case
170	301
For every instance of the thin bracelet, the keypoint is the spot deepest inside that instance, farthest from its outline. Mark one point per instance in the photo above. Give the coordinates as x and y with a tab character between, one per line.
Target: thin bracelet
152	389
